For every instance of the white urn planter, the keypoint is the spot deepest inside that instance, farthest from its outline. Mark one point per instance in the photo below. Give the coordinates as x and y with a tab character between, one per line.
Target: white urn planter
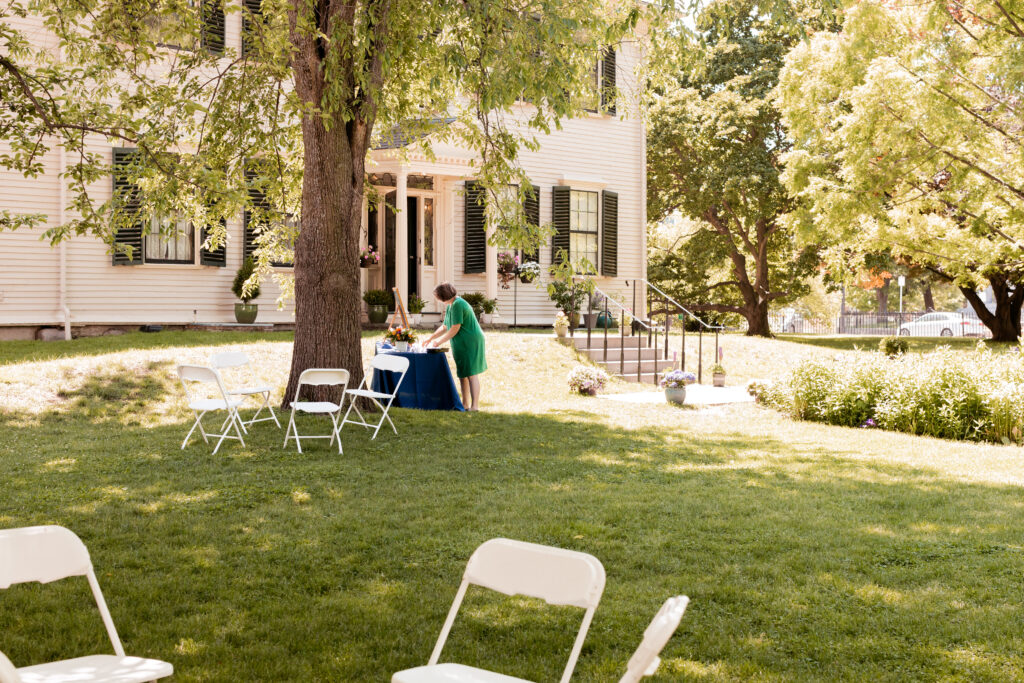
402	346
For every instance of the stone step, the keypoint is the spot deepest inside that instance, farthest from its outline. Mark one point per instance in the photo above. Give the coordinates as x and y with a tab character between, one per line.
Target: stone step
614	353
629	367
614	341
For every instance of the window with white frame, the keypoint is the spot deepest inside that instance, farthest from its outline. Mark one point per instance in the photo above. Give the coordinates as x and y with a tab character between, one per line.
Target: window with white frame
583	222
171	239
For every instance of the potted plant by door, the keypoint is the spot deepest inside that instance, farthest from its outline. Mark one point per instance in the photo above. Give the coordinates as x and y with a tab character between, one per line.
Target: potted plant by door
675	383
245	312
487	308
416	306
718	375
561	325
377	302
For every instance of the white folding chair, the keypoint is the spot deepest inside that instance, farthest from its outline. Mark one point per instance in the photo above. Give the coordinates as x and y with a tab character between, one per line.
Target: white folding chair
386	363
318	377
559	577
8	674
201	406
645	660
238	359
50	553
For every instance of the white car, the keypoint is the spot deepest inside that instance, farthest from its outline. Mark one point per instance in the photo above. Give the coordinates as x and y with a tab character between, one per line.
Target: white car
944	325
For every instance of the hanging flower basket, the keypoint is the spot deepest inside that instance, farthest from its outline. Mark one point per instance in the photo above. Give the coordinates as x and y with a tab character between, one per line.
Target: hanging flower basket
368	258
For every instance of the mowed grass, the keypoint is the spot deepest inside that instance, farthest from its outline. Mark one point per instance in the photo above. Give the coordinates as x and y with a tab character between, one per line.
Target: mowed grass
809	552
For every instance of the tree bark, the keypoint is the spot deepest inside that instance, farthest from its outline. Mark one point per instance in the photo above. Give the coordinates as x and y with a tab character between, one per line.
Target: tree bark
929	300
882	294
757	319
1004	323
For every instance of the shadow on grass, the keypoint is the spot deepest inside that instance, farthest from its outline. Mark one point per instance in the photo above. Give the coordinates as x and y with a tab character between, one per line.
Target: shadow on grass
25	351
261	563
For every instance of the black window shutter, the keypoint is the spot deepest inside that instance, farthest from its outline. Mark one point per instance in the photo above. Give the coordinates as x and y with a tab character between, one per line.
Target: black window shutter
609	233
531	208
251	14
127	201
560	217
213	257
212	37
608	81
475	240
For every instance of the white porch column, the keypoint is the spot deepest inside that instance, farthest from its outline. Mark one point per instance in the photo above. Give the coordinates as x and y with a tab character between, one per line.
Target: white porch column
491	259
401	245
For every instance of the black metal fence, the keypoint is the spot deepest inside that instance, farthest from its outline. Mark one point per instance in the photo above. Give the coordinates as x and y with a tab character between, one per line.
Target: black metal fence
908	323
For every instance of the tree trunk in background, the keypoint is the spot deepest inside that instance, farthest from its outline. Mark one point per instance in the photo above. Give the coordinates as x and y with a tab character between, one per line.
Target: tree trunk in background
882	294
756	314
1005	321
929	300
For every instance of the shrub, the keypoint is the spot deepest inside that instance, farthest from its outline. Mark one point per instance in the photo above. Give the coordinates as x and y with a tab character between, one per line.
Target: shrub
977	396
238	286
588	380
893	346
416	304
377	297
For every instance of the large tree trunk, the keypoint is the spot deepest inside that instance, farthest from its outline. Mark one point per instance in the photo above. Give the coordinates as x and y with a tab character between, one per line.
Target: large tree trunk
929	300
756	314
1005	321
327	310
335	137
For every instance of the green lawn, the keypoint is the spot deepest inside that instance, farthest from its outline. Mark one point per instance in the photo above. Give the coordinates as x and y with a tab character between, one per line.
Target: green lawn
809	552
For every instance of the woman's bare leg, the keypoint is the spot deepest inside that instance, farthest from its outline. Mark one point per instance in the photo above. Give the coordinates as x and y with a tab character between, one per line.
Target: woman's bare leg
466	398
474	390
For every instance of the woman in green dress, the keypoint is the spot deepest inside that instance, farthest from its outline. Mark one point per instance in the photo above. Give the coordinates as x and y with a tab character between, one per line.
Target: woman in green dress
460	326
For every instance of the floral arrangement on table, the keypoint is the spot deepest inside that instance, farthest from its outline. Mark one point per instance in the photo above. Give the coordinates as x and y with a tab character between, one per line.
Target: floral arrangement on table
677	378
368	257
561	324
508	265
529	271
400	334
587	380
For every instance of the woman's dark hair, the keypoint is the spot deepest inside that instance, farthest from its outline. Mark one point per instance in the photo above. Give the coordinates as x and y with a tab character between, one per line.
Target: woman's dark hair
445	291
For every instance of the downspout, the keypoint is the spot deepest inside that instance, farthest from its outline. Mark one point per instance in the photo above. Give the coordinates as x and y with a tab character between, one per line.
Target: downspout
62	247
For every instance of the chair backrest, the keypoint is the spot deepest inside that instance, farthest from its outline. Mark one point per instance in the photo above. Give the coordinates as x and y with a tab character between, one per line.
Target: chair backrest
41	553
323	376
8	674
203	375
555	575
51	553
386	361
645	660
229	359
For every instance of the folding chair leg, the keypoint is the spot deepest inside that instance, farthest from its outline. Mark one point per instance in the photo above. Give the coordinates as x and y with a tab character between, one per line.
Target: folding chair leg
336	432
292	428
197	423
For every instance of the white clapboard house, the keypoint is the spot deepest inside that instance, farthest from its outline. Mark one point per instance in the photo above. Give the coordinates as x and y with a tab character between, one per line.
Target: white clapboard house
589	181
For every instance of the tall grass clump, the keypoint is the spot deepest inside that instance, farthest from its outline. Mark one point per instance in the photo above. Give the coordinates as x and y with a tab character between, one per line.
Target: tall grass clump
977	396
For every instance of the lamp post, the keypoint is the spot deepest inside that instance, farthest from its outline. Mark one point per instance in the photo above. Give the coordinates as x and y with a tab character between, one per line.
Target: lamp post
902	282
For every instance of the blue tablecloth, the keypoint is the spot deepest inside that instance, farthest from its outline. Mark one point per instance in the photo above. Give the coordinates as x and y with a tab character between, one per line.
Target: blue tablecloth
428	385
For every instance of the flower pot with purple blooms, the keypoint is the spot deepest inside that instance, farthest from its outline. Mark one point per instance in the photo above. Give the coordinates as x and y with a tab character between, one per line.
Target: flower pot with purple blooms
587	380
675	382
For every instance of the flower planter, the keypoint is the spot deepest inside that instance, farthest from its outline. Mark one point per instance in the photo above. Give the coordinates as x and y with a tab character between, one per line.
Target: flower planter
561	332
676	395
486	318
589	392
245	314
367	263
527	279
377	314
401	346
718	379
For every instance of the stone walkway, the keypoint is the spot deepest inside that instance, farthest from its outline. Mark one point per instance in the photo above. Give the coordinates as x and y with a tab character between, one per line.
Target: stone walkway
696	394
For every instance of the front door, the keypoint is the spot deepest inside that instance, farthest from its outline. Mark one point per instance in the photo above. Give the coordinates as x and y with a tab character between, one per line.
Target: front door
412	242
